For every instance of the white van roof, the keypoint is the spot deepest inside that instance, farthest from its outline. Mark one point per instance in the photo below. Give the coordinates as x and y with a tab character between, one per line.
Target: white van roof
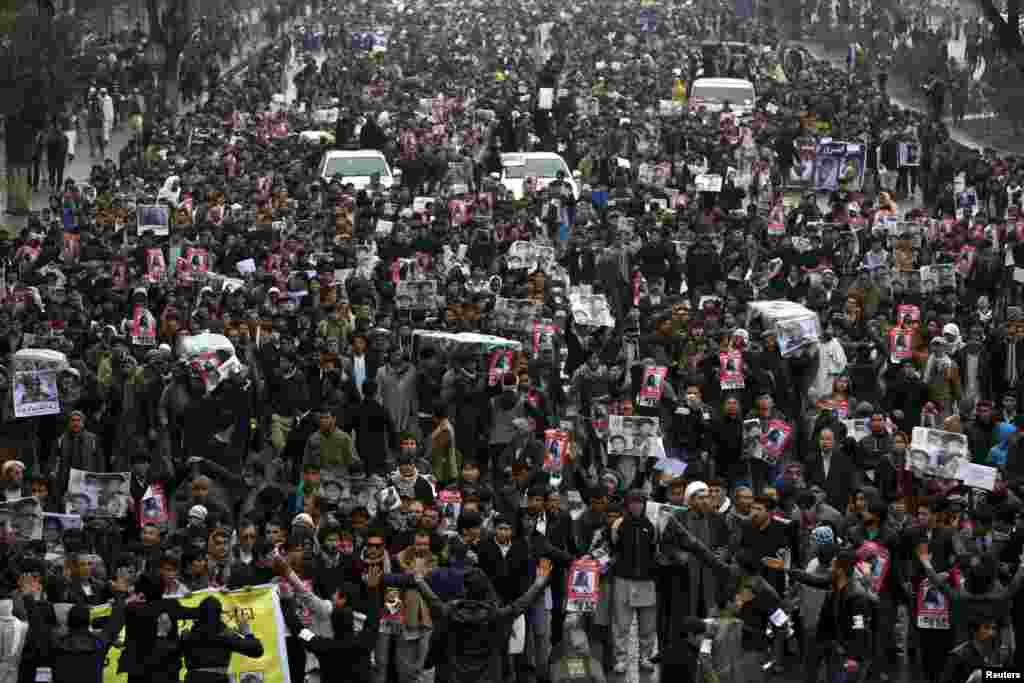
520	158
355	153
724	82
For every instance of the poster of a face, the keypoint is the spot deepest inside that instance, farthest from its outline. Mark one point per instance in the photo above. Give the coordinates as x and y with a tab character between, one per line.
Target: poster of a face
101	494
22	519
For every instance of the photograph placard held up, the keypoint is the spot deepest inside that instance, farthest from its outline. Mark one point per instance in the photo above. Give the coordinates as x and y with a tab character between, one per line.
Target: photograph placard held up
936	453
155	219
416	294
99	494
637	436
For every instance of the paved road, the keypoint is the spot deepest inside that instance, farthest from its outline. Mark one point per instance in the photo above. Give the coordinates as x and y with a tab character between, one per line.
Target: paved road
899	93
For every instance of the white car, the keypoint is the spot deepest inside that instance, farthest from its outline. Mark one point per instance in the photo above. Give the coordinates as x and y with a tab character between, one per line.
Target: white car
356	167
712	94
543	167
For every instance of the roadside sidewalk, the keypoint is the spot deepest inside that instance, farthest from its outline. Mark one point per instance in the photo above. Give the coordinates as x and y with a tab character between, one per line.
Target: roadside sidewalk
977	132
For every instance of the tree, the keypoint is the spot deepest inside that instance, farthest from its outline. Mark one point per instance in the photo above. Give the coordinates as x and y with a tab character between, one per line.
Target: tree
1007	31
36	48
172	30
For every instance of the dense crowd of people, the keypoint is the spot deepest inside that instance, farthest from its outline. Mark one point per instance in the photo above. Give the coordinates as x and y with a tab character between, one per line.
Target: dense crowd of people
483	433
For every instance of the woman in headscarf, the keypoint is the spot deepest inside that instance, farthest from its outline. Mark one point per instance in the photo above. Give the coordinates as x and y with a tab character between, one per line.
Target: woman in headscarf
208	646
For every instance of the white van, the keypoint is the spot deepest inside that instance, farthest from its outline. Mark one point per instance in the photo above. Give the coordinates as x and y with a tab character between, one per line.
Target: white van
356	167
543	167
712	94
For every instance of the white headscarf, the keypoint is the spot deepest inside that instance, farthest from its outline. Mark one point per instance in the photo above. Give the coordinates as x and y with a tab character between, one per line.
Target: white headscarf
953	339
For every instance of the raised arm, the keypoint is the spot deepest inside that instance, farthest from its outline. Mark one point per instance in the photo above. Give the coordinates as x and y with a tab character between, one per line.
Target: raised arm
701	551
524	601
1015	584
800	576
437	606
244	642
322	608
938	580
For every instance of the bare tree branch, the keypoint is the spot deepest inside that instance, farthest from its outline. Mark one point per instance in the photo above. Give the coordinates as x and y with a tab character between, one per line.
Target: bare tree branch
1008	31
156	29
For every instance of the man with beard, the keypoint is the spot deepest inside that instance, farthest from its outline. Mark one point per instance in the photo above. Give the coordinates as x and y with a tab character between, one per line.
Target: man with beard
77	449
727	443
981	431
673	583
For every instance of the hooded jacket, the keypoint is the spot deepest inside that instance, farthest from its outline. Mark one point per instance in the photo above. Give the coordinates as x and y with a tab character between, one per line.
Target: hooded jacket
997	455
477	626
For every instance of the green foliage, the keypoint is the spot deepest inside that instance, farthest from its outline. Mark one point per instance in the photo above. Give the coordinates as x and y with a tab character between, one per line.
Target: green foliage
8	13
35	52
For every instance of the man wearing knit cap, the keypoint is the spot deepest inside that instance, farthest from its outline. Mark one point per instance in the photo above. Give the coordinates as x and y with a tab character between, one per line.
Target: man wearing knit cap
634	545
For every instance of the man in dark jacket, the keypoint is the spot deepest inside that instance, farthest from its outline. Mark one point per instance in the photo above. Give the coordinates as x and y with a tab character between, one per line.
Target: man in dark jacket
727	440
845	625
140	621
80	655
634	544
832	469
374	430
974	655
346	656
505	560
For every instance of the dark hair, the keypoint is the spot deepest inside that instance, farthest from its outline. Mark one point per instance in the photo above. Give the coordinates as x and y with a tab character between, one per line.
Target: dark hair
879	509
208	619
79	618
537	490
767	501
469	520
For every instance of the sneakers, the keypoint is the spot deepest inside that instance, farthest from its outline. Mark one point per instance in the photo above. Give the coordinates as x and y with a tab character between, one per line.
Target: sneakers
620	667
647	664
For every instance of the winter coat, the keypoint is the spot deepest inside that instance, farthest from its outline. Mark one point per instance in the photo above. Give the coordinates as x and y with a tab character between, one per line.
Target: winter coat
478	631
81	655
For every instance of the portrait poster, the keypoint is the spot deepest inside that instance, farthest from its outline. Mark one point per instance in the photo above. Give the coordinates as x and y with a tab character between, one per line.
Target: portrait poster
901	344
637	436
499	364
937	453
652	386
731	370
21	520
98	494
583	586
933	604
449	505
154	219
556	445
36	393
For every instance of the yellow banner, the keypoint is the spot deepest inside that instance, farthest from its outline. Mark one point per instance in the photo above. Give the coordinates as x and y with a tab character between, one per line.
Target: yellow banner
261	606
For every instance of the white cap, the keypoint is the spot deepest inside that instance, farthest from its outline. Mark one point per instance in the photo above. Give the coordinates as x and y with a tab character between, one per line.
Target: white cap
694	489
197	512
